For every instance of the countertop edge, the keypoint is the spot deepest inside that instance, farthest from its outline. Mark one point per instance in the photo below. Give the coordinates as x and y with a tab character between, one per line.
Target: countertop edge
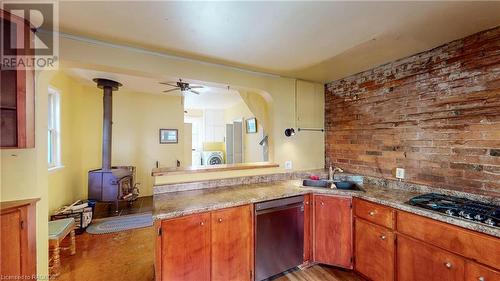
401	206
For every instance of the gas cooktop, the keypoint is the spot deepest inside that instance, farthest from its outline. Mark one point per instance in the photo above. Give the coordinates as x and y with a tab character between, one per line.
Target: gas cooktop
459	207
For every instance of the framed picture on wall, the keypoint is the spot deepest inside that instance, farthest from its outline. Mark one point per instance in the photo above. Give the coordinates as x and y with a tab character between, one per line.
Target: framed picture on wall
251	125
169	136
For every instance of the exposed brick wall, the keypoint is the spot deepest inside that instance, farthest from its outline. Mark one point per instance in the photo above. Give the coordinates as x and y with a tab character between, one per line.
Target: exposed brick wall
436	114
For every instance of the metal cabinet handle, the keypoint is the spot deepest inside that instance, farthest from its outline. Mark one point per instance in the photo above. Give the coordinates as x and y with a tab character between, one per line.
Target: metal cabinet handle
383	237
481	278
202	223
220	220
371	213
307	202
322	203
448	265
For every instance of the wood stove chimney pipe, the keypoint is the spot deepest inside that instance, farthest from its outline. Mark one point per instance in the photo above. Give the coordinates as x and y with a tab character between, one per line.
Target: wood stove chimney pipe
108	87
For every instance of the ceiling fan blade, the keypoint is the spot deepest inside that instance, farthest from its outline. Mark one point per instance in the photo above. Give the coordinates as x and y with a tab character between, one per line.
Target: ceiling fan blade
196	87
171	90
194	92
173	84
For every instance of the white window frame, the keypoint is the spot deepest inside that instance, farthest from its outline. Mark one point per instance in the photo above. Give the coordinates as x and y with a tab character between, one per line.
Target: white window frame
54	129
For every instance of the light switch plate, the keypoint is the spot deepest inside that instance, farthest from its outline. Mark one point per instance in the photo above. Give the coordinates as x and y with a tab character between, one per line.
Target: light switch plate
400	173
288	165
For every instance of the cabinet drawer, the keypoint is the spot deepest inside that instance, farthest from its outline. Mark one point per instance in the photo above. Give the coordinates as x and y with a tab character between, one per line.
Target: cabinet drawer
480	247
477	272
375	213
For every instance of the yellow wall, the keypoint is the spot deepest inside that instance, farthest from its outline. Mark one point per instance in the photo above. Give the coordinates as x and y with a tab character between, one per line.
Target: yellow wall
65	182
252	151
259	107
137	118
24	173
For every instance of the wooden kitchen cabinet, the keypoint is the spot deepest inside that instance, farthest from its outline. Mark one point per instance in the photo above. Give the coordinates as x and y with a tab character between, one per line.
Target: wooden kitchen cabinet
232	244
477	272
17	91
332	242
417	261
374	251
185	248
470	244
213	246
18	238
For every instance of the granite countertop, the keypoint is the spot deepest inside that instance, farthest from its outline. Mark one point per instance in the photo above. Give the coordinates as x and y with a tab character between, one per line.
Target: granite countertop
176	204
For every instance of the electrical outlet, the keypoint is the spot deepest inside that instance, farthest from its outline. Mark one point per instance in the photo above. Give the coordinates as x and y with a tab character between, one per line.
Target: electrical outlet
400	173
288	165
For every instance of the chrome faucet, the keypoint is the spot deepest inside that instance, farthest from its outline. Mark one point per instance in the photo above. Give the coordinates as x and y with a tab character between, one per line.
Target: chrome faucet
331	172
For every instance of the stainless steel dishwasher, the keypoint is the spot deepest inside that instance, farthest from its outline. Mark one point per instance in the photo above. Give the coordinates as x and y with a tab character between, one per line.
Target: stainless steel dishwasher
279	240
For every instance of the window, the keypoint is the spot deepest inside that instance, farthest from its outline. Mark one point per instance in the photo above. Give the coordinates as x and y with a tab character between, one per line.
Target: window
54	130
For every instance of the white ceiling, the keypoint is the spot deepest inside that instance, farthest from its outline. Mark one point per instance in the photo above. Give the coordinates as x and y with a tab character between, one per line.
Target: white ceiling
212	96
319	41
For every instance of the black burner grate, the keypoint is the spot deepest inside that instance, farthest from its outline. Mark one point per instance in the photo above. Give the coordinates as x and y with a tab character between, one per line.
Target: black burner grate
488	214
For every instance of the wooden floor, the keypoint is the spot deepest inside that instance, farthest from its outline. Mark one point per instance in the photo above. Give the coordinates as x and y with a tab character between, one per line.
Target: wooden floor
126	255
129	255
320	273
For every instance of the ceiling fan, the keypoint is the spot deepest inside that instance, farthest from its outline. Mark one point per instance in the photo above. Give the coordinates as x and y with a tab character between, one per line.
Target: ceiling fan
182	86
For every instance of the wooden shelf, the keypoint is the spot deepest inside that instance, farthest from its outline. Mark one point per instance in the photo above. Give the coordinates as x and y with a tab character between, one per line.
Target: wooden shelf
215	168
17	92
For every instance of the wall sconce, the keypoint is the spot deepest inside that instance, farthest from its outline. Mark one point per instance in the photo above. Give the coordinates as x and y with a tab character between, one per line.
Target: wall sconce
289	132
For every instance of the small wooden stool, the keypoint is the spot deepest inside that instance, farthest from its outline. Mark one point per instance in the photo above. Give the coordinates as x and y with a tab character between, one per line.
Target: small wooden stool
58	230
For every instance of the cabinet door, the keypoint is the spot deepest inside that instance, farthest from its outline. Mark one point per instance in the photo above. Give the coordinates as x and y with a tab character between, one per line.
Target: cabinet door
310	101
374	251
18	240
10	251
333	230
417	261
307	227
186	248
477	272
232	244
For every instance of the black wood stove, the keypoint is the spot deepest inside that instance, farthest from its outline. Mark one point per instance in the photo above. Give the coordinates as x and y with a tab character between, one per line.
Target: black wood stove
110	184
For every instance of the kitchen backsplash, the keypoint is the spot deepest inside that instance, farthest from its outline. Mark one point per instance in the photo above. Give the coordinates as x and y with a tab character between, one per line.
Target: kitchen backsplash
436	114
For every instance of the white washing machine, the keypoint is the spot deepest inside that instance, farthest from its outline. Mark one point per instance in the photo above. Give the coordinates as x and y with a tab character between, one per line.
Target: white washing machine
209	158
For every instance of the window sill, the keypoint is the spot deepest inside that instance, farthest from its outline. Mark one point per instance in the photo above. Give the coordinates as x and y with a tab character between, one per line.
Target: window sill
56	168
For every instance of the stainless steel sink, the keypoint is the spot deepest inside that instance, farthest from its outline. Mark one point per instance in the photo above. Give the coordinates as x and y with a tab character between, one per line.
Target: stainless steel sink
339	185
